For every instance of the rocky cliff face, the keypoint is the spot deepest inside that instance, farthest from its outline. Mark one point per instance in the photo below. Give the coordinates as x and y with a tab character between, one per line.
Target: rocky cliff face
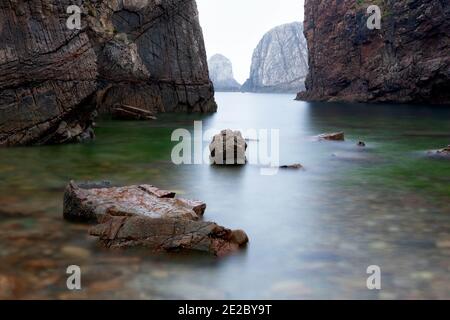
280	61
147	54
407	60
221	73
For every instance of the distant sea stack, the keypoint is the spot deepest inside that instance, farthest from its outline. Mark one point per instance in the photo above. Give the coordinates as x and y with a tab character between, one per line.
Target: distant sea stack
221	74
280	61
53	79
406	61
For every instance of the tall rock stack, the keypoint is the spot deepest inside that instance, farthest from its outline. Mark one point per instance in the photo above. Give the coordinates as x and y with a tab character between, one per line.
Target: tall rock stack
146	54
221	73
280	61
406	61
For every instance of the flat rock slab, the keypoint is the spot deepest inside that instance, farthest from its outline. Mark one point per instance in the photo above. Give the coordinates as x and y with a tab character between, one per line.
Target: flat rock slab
88	201
145	216
168	234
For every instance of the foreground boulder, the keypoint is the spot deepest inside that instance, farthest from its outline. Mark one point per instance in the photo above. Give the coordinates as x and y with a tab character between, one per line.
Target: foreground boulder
228	148
144	215
336	136
170	234
87	202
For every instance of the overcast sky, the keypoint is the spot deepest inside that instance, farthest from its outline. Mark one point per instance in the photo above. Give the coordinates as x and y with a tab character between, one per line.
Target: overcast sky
234	27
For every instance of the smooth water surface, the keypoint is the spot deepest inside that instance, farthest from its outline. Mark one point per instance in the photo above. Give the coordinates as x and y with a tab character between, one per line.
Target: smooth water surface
313	232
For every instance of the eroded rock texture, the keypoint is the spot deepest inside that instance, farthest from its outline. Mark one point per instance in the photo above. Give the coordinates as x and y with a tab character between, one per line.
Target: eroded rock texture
147	54
89	202
168	235
280	61
221	73
228	148
407	60
146	216
47	74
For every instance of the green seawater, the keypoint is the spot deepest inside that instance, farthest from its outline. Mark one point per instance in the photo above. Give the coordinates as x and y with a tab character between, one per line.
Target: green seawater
313	232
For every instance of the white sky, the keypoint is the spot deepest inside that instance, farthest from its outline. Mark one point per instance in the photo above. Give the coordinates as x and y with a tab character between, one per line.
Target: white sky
234	27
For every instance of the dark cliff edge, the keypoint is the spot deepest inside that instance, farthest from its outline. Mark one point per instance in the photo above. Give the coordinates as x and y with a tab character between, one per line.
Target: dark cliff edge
53	81
406	61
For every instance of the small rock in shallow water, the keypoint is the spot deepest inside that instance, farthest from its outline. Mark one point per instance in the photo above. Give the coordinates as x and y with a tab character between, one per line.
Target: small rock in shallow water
422	275
292	166
361	144
239	237
336	136
378	245
443	243
75	252
445	152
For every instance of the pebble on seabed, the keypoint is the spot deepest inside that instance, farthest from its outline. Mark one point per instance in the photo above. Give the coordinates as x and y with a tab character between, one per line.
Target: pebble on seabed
75	252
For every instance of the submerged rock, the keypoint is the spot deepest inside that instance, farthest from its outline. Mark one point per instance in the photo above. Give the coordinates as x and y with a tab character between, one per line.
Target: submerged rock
292	166
361	144
336	136
89	201
445	152
228	148
143	215
168	234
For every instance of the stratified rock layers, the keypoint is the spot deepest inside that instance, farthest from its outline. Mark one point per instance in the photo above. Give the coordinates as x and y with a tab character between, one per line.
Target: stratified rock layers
221	73
145	54
406	61
280	61
145	216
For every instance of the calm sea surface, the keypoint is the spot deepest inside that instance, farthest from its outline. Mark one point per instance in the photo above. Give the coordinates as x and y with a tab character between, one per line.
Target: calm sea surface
313	233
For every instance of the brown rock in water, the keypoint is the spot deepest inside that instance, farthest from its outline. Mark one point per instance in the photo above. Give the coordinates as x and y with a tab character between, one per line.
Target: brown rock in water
148	55
89	201
337	136
292	166
146	216
406	61
168	234
228	148
361	144
445	152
